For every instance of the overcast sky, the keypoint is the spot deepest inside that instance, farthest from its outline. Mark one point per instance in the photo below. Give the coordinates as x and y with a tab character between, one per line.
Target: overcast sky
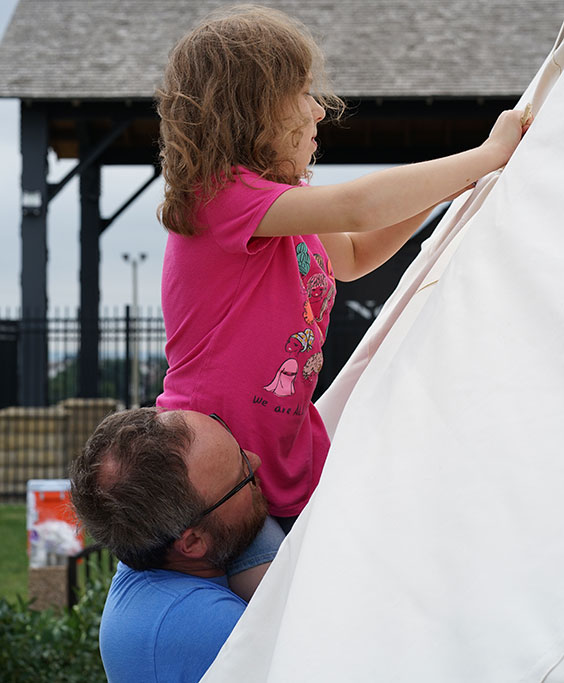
135	231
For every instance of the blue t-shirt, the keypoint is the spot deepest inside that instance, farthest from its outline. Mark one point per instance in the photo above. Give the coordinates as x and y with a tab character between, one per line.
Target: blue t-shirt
165	626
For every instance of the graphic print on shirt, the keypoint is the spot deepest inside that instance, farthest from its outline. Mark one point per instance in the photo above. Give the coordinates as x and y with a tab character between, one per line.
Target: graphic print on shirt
319	260
321	293
308	313
318	288
283	382
313	366
304	261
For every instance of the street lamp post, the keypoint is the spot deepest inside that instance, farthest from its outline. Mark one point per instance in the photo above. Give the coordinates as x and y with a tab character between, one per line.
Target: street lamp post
135	356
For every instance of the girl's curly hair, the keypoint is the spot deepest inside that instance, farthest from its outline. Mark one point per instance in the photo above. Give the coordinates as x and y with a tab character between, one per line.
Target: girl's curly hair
226	88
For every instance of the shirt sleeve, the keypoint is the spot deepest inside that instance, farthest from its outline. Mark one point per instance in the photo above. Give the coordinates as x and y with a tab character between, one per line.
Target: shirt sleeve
192	633
235	213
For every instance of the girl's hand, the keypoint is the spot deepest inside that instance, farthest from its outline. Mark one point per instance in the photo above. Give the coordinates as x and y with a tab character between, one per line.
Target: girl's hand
506	134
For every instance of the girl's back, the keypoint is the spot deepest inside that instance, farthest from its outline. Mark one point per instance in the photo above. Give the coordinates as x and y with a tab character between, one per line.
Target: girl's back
245	320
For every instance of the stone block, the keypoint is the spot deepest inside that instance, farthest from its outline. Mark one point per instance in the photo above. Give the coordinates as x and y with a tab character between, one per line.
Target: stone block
48	586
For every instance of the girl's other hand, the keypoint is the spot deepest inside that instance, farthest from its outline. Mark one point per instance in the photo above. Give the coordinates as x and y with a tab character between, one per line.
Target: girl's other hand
507	133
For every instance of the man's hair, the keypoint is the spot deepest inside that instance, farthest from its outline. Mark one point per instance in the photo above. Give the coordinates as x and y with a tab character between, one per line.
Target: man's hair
225	90
130	485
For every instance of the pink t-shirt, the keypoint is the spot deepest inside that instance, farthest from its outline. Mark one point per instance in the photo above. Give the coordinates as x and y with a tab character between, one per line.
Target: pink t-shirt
245	320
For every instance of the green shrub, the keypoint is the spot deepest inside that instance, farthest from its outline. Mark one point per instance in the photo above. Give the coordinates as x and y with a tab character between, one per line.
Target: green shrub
53	646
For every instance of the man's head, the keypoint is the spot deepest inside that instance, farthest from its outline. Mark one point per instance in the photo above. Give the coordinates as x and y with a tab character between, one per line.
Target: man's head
144	480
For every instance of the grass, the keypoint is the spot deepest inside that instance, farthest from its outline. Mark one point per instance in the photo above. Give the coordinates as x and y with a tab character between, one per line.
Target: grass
13	552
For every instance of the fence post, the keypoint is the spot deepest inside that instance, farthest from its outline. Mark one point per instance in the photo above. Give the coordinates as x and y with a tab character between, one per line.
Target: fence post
32	351
127	369
72	583
9	336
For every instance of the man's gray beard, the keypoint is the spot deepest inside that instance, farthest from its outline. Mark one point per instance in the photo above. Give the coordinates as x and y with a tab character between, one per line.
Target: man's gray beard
230	541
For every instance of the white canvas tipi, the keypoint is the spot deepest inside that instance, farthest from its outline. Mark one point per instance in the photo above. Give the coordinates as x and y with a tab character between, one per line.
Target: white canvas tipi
433	548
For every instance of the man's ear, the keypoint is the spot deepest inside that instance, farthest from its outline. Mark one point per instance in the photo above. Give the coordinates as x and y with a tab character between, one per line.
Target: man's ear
193	544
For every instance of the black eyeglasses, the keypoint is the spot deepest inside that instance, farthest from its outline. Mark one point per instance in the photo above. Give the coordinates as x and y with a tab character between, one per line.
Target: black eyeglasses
250	478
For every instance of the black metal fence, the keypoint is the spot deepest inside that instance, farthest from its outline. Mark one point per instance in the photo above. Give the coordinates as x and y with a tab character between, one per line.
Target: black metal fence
128	347
39	442
91	564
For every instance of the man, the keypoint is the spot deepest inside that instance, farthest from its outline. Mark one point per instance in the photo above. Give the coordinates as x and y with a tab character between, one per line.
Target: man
174	497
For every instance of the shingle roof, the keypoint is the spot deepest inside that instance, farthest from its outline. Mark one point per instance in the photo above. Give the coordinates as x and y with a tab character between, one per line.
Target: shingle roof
97	49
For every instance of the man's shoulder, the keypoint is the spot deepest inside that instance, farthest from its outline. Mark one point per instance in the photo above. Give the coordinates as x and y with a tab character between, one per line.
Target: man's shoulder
154	615
206	607
170	586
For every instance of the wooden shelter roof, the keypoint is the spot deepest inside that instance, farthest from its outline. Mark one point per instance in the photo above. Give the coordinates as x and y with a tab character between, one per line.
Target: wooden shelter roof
116	49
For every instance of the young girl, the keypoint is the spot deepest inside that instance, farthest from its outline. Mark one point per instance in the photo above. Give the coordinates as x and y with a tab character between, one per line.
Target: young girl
253	252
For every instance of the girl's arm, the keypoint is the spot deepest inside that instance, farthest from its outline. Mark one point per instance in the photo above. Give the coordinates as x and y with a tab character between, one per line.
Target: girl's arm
392	198
356	254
